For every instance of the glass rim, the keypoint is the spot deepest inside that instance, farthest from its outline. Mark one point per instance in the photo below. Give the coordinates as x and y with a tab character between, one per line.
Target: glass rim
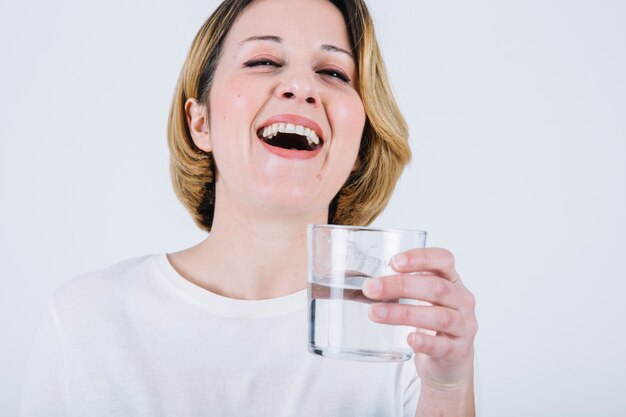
363	228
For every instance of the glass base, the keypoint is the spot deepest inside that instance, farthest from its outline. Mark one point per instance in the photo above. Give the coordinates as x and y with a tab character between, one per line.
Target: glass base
360	355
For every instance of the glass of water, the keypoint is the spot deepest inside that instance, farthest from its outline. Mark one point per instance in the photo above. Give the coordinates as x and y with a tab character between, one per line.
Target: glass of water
340	259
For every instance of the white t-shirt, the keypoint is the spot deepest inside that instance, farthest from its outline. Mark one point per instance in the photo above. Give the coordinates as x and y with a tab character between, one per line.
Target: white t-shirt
137	339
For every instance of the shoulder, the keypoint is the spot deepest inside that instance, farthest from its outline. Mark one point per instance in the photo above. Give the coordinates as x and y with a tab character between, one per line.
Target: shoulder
112	277
106	287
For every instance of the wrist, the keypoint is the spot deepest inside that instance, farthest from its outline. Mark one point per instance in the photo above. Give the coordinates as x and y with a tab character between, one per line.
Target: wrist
447	400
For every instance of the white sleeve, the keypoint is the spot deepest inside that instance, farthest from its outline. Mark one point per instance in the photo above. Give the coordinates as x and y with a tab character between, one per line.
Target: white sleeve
43	382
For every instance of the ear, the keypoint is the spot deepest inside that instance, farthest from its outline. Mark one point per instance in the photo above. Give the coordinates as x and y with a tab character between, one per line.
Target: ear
198	124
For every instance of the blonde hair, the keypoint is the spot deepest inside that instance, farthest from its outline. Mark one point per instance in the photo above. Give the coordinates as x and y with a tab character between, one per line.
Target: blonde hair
384	149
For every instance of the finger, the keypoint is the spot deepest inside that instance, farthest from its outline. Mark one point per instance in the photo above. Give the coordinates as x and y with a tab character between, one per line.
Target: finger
437	260
439	319
439	347
423	287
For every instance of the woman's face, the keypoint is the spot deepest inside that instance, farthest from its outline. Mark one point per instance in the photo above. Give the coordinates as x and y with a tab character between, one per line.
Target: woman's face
285	118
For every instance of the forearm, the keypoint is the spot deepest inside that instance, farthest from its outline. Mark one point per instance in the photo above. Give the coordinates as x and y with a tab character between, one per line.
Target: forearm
447	402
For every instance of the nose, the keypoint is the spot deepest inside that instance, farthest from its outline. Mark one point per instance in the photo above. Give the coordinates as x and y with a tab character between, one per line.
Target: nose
300	88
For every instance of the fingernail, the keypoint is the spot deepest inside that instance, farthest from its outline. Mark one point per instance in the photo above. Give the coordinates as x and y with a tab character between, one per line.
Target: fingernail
400	261
380	312
416	339
372	286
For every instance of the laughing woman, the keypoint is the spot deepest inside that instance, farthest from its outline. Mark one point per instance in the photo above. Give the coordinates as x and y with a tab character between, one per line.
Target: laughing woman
282	117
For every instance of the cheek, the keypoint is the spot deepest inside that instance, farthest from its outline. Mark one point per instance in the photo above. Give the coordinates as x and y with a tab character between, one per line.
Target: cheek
228	101
348	120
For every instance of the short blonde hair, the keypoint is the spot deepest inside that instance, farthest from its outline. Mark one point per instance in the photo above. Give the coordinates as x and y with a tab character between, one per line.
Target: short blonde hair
384	149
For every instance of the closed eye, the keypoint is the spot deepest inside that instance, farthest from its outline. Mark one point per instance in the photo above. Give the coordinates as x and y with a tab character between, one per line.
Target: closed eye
261	63
333	73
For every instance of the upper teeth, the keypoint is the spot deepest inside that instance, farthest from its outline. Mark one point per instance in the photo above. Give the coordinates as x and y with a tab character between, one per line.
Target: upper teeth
273	129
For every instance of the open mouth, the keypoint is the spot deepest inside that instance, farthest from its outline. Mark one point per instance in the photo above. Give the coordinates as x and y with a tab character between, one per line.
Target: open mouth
290	136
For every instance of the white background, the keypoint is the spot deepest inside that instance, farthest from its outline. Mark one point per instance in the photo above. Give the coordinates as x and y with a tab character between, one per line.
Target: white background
517	113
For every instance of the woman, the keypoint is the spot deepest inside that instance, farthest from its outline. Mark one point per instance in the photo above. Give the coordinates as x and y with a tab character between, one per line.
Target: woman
282	117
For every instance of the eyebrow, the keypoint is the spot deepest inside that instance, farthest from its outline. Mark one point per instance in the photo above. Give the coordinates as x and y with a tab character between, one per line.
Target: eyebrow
278	39
333	48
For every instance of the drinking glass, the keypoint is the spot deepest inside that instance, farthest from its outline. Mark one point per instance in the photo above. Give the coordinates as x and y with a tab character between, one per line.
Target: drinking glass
340	259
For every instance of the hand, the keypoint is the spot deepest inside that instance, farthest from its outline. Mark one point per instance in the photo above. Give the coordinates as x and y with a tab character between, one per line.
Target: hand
443	357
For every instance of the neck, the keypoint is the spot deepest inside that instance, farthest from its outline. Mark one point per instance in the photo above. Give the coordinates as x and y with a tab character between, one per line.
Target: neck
250	256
